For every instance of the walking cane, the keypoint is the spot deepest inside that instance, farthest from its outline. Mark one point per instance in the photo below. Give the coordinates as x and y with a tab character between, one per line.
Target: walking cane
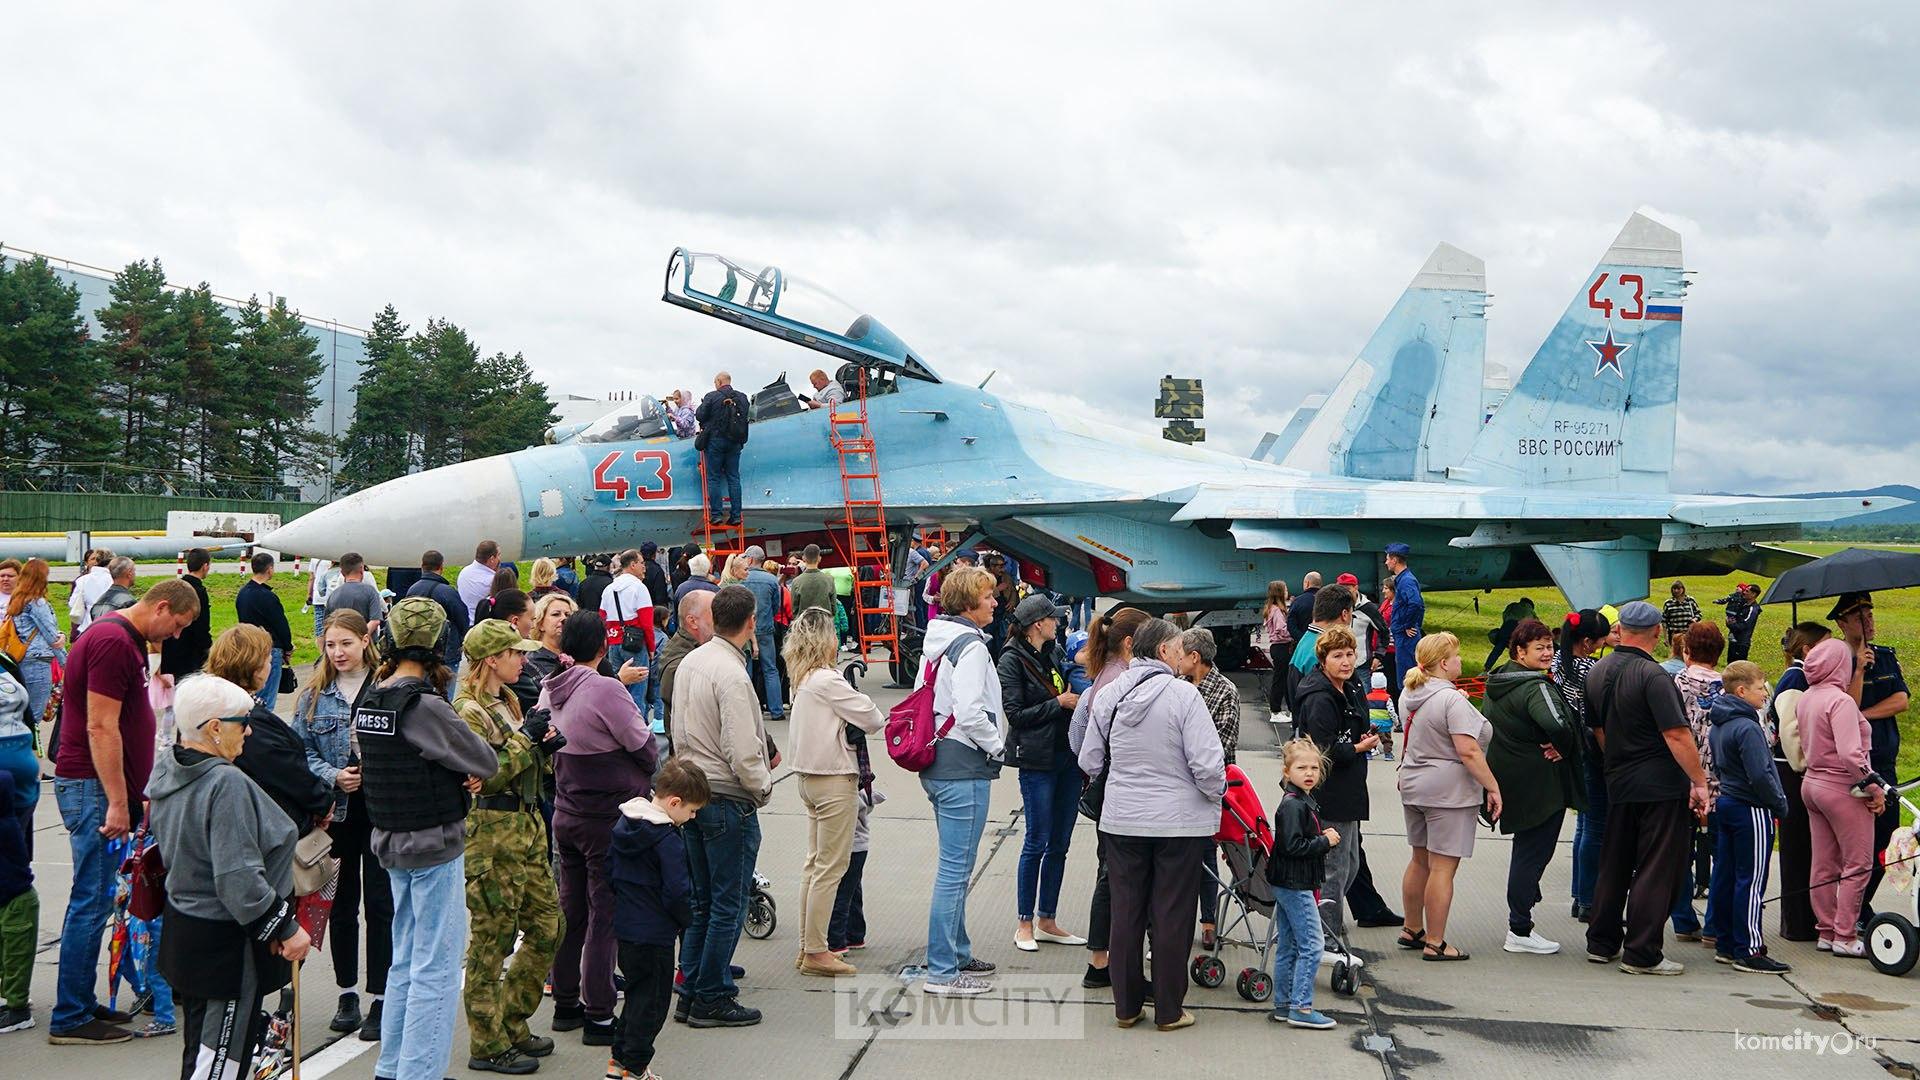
294	1021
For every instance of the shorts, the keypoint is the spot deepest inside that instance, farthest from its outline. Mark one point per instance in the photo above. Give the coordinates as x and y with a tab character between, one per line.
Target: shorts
1442	830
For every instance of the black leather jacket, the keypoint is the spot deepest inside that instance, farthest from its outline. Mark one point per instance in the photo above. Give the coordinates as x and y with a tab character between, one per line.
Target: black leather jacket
1036	721
1299	850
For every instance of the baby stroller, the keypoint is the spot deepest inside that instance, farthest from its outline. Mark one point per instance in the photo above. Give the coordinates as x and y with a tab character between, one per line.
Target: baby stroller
1893	943
762	915
1246	841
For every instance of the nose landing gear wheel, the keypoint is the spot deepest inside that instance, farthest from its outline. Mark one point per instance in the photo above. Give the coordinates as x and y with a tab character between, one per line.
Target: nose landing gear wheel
1208	971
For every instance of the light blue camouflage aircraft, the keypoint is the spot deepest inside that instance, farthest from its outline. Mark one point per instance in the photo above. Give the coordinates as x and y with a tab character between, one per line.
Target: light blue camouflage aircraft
1566	483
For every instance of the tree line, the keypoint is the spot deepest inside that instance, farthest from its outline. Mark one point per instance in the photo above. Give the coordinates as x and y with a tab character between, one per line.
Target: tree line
178	391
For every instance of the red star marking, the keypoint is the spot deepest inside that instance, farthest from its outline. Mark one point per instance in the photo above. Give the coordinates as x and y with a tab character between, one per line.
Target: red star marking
1609	352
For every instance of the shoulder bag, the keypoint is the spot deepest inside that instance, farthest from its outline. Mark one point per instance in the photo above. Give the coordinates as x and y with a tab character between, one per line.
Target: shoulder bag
1093	795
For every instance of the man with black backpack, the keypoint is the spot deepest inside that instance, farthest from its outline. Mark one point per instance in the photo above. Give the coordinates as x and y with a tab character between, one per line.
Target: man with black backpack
723	432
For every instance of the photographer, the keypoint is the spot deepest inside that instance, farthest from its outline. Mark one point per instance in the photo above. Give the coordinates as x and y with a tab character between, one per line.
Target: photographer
605	755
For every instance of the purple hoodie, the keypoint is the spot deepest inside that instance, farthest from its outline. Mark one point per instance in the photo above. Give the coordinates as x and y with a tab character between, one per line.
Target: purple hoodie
609	757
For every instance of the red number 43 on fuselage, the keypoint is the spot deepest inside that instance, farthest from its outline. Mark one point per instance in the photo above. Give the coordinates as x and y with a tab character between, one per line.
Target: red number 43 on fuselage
652	481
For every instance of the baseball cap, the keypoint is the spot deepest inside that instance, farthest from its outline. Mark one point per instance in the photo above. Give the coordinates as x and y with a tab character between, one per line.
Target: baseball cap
416	622
1850	603
1346	579
968	554
1037	607
1639	615
648	549
491	636
1401	550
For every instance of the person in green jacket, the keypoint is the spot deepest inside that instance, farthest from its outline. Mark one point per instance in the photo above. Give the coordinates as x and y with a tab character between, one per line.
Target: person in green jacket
1535	755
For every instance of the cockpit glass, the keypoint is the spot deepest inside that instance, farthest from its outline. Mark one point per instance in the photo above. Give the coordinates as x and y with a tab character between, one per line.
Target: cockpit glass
641	418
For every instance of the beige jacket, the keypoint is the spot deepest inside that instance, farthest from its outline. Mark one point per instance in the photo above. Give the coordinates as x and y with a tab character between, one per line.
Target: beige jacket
823	705
716	722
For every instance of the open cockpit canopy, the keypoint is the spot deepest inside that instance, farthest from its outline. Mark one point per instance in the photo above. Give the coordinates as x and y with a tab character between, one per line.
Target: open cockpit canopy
774	302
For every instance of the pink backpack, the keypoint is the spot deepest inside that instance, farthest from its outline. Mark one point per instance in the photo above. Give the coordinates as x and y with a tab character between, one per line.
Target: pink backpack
910	730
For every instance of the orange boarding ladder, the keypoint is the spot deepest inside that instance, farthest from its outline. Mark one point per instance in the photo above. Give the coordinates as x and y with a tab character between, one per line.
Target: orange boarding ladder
722	541
865	524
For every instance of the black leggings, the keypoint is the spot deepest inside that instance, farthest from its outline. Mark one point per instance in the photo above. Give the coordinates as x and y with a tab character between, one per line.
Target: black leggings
352	845
1281	655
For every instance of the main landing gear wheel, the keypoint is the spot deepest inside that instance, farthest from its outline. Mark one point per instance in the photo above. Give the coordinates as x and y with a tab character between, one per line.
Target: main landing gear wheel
1254	984
1892	944
1343	979
1208	971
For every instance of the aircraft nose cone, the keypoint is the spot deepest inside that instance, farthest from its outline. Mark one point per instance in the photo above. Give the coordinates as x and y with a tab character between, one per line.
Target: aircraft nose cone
449	510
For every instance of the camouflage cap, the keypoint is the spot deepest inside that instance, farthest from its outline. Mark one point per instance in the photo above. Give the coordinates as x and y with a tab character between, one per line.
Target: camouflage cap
416	622
491	636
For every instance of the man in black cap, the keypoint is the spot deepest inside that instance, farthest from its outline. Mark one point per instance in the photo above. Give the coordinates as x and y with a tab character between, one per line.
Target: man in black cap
1881	689
1656	790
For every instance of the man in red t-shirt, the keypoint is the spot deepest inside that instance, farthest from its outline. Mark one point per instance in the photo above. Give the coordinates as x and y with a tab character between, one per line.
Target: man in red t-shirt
101	762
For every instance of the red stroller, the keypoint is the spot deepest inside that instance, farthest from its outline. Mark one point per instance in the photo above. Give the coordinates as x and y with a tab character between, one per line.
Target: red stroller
1245	840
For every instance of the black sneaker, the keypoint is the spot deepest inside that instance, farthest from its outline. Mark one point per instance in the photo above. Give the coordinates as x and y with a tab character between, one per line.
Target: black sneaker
347	1017
113	1016
1762	964
1096	978
370	1027
15	1018
682	1008
509	1061
600	1032
977	966
726	1012
95	1032
568	1017
537	1046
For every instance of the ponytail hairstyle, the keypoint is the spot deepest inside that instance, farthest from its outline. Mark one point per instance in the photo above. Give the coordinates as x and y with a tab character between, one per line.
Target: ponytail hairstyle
1587	624
1107	632
1432	651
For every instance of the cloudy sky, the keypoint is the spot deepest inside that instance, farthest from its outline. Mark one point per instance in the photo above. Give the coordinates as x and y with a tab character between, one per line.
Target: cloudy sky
1080	196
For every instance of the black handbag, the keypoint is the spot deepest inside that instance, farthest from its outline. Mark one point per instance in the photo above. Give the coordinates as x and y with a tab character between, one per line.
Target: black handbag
633	639
289	682
1093	796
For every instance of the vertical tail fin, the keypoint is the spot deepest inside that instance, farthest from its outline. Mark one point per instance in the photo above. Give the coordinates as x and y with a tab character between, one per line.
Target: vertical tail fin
1595	407
1275	447
1409	405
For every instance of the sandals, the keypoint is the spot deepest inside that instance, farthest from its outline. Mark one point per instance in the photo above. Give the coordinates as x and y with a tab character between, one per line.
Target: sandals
1411	939
1438	952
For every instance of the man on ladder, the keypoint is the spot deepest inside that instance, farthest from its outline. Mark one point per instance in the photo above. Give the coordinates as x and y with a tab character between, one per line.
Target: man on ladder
723	433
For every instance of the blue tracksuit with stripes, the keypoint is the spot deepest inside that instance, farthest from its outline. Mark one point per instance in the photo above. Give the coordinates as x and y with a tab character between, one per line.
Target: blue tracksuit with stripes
1750	800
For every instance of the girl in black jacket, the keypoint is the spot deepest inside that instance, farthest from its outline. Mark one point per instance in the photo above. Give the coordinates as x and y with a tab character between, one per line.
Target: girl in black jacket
1296	868
1039	706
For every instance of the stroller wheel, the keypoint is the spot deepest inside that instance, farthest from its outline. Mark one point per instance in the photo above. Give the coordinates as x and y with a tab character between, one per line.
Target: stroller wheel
1208	971
1343	980
1892	944
762	917
1254	984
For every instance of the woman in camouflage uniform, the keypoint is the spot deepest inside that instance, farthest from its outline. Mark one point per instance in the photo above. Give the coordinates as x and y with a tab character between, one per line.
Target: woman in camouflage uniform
510	889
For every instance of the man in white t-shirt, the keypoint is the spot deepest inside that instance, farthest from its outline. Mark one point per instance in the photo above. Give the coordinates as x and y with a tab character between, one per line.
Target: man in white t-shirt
89	588
627	602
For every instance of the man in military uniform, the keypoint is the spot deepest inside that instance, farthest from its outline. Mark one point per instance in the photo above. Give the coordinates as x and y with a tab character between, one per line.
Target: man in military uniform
1881	690
510	888
1409	615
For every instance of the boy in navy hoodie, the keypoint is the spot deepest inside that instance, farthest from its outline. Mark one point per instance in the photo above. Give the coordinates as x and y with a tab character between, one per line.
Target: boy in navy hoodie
1751	798
19	914
652	904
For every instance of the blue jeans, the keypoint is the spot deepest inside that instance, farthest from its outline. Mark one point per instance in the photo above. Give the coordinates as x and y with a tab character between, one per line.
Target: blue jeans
1590	832
1080	613
37	672
423	985
270	693
766	665
83	809
617	656
157	984
1296	948
1051	801
722	846
723	467
960	815
1685	919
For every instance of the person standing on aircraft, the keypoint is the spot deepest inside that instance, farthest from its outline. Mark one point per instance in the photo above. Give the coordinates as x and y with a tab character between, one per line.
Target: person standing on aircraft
476	578
765	588
434	587
723	418
1300	608
826	392
1680	611
1409	609
1743	614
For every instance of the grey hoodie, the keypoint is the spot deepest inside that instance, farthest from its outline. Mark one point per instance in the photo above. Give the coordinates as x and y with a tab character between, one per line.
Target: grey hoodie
228	848
1169	769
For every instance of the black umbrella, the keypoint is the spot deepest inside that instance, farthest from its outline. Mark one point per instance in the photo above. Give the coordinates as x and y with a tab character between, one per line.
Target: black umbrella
1852	570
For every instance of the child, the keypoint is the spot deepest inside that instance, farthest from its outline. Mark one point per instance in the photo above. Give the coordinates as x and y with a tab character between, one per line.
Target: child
19	914
1295	871
1380	712
1750	799
848	927
652	904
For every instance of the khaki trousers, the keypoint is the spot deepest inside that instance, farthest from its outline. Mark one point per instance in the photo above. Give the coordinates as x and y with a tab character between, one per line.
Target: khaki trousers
833	804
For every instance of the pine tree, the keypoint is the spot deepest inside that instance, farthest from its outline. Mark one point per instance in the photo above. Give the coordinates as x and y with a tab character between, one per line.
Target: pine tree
50	373
450	383
512	411
379	440
208	388
138	340
279	364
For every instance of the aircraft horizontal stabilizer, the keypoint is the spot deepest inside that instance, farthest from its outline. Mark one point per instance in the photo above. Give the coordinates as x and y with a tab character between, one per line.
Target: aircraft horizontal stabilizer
1723	512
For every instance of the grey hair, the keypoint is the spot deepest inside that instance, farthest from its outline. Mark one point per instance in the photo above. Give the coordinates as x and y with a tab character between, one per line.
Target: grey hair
1199	641
120	565
207	697
1152	634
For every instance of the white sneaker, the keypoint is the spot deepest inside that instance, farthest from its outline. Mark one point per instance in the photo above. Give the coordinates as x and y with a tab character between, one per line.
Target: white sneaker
961	986
1664	967
1532	943
1352	960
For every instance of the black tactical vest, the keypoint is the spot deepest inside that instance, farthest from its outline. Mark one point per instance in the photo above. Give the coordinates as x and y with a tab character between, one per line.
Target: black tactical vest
404	790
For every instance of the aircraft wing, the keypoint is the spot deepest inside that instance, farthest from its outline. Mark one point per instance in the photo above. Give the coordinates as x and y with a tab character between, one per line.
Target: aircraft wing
1312	501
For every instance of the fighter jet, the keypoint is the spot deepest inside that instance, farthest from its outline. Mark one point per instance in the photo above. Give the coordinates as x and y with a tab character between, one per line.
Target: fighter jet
1567	483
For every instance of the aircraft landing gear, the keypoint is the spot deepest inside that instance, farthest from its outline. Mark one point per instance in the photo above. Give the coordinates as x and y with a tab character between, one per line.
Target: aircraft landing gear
1236	647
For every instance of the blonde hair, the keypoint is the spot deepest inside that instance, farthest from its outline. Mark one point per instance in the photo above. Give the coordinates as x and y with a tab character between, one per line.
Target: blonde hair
238	655
1332	640
325	674
736	571
546	603
962	588
1432	651
543	572
1296	748
1742	673
811	644
468	686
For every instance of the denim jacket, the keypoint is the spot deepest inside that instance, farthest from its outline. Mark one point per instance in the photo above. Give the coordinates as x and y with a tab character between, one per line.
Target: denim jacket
326	735
36	622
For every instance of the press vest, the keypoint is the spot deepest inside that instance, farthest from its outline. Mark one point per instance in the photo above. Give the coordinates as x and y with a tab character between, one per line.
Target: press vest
404	791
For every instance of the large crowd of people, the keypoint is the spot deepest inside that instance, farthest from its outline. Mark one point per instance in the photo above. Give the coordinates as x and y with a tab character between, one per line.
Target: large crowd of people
555	788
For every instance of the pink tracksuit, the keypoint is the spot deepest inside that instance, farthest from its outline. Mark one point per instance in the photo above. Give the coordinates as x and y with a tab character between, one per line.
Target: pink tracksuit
1836	738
